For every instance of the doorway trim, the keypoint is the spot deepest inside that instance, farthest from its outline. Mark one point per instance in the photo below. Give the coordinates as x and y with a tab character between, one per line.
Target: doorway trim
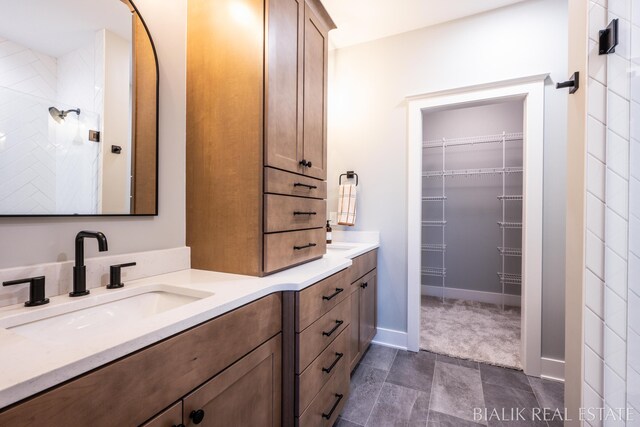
531	91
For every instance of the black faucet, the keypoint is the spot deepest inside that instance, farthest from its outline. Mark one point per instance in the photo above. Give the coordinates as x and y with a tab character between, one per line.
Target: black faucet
80	270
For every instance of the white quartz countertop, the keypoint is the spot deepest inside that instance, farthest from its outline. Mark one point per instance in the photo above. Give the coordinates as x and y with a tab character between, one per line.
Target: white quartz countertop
29	366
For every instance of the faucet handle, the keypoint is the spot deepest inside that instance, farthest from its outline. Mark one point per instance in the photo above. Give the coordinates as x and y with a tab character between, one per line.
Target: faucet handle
36	290
115	275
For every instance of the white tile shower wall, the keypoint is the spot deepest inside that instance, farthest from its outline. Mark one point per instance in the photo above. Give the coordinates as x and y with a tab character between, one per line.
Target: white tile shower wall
58	275
633	272
610	194
27	161
77	158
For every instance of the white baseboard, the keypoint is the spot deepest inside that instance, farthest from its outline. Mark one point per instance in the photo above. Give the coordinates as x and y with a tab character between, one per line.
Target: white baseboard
391	338
552	369
465	294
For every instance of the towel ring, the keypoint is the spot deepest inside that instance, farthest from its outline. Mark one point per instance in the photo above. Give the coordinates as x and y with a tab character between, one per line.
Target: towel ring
349	175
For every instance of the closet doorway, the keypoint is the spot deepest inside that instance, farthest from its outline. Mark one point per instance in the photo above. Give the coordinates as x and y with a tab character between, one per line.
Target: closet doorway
475	223
472	231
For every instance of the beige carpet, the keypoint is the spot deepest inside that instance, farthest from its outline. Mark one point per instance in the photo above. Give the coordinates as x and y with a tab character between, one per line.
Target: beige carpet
471	330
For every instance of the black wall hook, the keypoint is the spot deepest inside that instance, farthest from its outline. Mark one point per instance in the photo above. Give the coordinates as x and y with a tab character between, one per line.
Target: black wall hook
573	83
608	38
349	175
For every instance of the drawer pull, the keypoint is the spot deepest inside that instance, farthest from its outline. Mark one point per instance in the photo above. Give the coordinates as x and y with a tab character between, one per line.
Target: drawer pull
335	328
333	365
364	285
197	416
310	187
333	408
299	248
304	213
333	295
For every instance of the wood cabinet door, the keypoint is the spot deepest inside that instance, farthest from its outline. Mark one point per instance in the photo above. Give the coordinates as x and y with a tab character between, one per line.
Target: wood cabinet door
170	417
368	301
315	95
354	334
283	115
248	393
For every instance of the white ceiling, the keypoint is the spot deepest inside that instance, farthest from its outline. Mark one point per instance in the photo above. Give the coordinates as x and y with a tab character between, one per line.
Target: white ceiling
55	27
360	21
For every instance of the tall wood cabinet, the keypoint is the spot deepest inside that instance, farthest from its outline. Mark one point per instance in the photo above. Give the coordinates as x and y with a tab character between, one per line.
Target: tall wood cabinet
256	133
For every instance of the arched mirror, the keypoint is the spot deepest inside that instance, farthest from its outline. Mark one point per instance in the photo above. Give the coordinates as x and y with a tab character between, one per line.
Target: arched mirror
78	109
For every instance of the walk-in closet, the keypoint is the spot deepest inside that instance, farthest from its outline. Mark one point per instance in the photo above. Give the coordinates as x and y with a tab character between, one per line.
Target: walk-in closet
472	215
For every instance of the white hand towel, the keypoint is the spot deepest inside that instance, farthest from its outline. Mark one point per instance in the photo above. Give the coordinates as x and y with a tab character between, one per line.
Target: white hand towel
347	205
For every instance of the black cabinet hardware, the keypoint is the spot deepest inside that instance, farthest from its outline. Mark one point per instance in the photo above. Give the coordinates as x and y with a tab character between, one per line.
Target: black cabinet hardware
335	328
573	83
333	408
197	416
333	365
299	248
364	285
179	425
310	187
305	163
36	290
608	38
115	275
330	297
305	213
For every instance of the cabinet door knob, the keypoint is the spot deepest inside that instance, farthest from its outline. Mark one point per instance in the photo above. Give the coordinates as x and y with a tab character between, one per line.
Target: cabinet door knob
364	285
197	416
305	163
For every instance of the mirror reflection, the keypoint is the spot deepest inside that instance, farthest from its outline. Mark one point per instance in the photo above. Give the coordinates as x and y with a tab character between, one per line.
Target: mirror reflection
78	109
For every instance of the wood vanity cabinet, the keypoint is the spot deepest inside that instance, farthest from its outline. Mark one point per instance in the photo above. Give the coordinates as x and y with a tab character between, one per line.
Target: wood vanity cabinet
229	367
363	302
256	133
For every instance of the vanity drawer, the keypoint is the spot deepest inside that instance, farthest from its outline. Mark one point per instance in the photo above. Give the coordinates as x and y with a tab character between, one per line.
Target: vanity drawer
321	297
282	250
328	403
286	213
363	264
331	361
313	340
281	182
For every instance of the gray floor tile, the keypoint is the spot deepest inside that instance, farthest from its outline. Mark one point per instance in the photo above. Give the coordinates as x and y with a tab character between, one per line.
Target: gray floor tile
400	406
456	361
550	395
340	422
438	419
366	384
504	377
457	391
506	402
413	370
379	357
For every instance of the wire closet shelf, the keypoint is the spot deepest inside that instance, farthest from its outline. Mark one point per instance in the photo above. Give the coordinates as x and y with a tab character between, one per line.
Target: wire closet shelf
473	140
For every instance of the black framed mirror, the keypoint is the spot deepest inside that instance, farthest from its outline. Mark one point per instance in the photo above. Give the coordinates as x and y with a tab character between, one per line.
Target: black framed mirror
78	109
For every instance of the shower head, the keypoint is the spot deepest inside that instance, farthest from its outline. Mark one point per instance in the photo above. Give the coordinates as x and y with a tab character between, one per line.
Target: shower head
59	116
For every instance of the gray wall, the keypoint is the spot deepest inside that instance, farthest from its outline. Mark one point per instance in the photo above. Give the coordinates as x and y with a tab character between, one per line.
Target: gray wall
472	208
25	241
367	129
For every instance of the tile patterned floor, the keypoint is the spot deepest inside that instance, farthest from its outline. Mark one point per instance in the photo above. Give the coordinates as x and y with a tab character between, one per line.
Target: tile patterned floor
399	388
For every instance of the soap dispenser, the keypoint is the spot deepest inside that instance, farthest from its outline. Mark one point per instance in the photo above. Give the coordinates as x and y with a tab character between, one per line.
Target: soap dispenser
328	232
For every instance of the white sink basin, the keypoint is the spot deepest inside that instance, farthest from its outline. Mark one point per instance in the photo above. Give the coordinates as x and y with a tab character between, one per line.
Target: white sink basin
341	246
95	315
